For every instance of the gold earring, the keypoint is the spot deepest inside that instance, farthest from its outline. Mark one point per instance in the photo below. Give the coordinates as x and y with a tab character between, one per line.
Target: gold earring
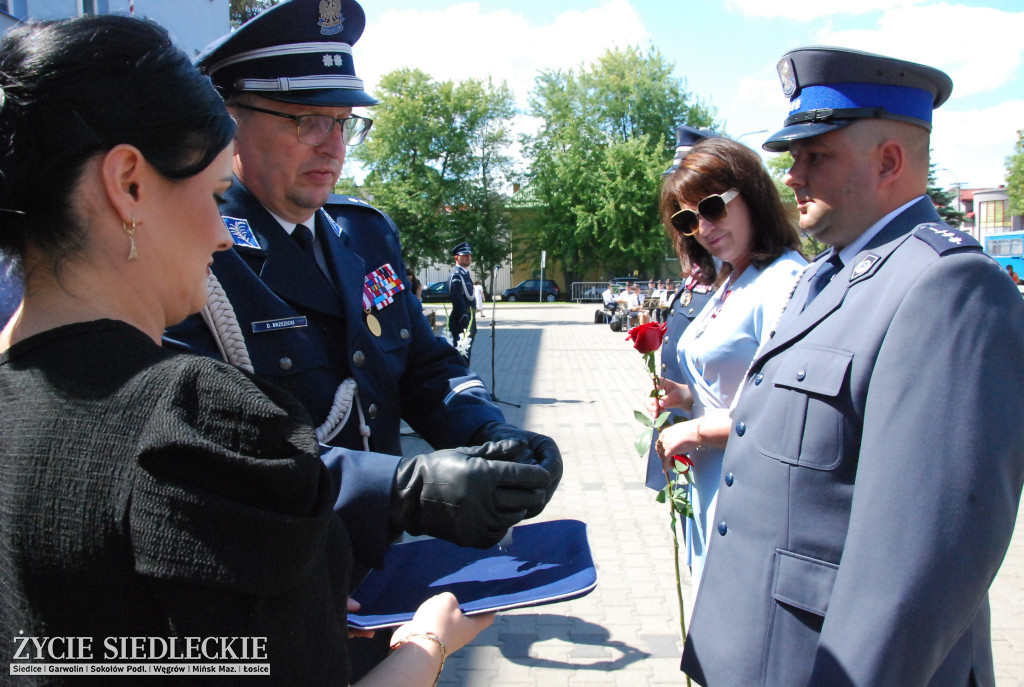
133	253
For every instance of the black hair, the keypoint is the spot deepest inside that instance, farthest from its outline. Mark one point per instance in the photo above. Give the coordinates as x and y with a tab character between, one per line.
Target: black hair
73	89
716	165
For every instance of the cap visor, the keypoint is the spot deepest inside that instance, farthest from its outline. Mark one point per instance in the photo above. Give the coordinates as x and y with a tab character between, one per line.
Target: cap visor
326	97
780	140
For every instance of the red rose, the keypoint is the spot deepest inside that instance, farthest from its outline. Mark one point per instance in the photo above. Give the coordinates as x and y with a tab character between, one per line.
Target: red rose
685	460
647	337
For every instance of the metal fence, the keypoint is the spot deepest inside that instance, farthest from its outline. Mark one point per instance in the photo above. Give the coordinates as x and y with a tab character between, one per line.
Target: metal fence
587	291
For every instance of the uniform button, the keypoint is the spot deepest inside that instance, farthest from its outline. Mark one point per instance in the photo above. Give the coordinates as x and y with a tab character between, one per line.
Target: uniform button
741	429
404	333
800	374
285	363
722	528
758	378
728	479
372	411
358	358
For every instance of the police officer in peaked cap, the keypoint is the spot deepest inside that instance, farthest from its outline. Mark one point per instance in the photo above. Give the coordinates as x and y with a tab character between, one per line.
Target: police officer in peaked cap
316	301
872	480
462	321
687	137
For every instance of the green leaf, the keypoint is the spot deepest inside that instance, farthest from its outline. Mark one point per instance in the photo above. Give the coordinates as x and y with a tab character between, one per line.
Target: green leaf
643	441
662	419
660	498
643	418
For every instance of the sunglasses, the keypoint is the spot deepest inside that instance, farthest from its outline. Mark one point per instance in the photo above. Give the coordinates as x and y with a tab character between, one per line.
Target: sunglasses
713	209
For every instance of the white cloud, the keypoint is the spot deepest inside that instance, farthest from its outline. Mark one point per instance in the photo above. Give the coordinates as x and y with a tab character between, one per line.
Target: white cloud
806	10
462	41
983	50
971	146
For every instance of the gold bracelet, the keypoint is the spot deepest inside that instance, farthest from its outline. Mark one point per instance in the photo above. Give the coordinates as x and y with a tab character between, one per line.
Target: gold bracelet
432	637
700	441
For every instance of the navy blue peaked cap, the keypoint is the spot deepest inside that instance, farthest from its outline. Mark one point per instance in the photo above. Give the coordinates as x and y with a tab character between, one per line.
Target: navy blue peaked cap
299	51
830	88
462	249
686	138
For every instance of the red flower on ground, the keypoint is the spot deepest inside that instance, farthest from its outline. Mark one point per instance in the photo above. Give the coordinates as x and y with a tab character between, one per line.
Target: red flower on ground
647	337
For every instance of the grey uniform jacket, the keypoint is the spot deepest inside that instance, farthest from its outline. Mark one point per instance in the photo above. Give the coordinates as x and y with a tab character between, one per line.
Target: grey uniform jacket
871	482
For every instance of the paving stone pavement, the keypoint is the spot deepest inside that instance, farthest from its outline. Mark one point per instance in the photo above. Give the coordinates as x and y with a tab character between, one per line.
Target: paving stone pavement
579	383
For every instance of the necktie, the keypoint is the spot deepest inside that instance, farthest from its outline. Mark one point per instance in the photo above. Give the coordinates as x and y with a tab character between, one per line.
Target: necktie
304	237
822	277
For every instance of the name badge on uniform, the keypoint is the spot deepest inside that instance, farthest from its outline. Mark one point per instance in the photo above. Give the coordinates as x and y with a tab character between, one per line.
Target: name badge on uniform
379	289
241	232
274	325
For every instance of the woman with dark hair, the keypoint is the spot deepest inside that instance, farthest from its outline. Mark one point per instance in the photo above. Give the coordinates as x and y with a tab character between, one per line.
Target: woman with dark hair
726	219
146	494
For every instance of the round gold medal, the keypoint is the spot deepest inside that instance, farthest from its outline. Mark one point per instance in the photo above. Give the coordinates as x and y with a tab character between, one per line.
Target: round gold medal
372	324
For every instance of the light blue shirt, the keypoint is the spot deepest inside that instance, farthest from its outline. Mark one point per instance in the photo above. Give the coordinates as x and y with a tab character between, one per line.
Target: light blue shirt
714	354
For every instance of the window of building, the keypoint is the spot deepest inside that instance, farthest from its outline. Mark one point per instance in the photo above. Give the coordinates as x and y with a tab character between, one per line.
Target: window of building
4	7
88	6
992	215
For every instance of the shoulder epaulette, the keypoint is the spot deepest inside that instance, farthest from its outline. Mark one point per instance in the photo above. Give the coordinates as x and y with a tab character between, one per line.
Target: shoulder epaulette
944	239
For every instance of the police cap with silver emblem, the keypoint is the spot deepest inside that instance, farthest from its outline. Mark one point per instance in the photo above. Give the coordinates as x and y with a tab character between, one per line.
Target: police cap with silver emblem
686	138
830	88
299	51
462	249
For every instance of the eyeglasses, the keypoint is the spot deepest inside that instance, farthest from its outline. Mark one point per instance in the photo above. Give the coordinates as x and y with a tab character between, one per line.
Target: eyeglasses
313	129
713	209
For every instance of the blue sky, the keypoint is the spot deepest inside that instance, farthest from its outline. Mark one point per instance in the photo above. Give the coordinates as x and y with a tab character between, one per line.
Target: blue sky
726	51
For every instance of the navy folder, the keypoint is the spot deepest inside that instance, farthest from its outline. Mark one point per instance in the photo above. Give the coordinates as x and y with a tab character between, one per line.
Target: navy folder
546	562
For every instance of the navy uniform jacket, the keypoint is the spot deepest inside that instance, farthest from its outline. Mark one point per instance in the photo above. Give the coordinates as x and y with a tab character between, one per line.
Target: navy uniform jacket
872	478
687	302
406	372
10	290
685	305
460	290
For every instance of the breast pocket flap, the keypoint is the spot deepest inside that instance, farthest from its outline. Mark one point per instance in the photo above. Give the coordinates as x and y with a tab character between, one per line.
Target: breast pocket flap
818	371
803	582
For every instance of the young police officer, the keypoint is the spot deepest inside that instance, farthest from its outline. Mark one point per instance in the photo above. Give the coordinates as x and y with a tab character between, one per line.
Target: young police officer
871	483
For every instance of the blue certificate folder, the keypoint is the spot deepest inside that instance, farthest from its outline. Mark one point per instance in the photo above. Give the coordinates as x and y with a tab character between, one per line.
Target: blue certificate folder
546	562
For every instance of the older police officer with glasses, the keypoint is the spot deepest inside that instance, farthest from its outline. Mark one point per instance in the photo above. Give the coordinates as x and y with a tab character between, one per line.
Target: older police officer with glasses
874	466
318	303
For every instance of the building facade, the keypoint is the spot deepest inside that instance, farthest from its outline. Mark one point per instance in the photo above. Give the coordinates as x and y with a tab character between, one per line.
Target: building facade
987	217
193	24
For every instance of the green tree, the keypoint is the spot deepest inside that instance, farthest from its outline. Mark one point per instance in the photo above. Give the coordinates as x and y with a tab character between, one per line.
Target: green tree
944	200
244	10
437	159
607	132
1015	176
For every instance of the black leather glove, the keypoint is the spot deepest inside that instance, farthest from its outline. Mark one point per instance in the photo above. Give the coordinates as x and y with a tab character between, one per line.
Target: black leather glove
543	449
469	496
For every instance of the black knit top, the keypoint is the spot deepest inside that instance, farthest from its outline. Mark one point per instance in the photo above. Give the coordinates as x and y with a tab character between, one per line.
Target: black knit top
150	494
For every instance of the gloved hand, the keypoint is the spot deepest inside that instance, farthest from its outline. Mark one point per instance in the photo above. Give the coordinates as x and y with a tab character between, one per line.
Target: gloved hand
469	496
543	449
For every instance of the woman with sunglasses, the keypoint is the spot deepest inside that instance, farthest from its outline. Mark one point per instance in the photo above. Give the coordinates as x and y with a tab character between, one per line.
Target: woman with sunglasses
150	499
727	220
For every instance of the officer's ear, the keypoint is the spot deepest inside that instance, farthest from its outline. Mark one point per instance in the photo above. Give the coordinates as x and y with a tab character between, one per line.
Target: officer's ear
891	162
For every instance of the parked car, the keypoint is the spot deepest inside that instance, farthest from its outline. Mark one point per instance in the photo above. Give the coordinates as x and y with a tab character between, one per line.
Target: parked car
436	293
530	290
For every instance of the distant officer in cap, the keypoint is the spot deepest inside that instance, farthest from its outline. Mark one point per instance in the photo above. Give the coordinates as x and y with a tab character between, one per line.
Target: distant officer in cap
871	483
462	321
315	301
686	138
